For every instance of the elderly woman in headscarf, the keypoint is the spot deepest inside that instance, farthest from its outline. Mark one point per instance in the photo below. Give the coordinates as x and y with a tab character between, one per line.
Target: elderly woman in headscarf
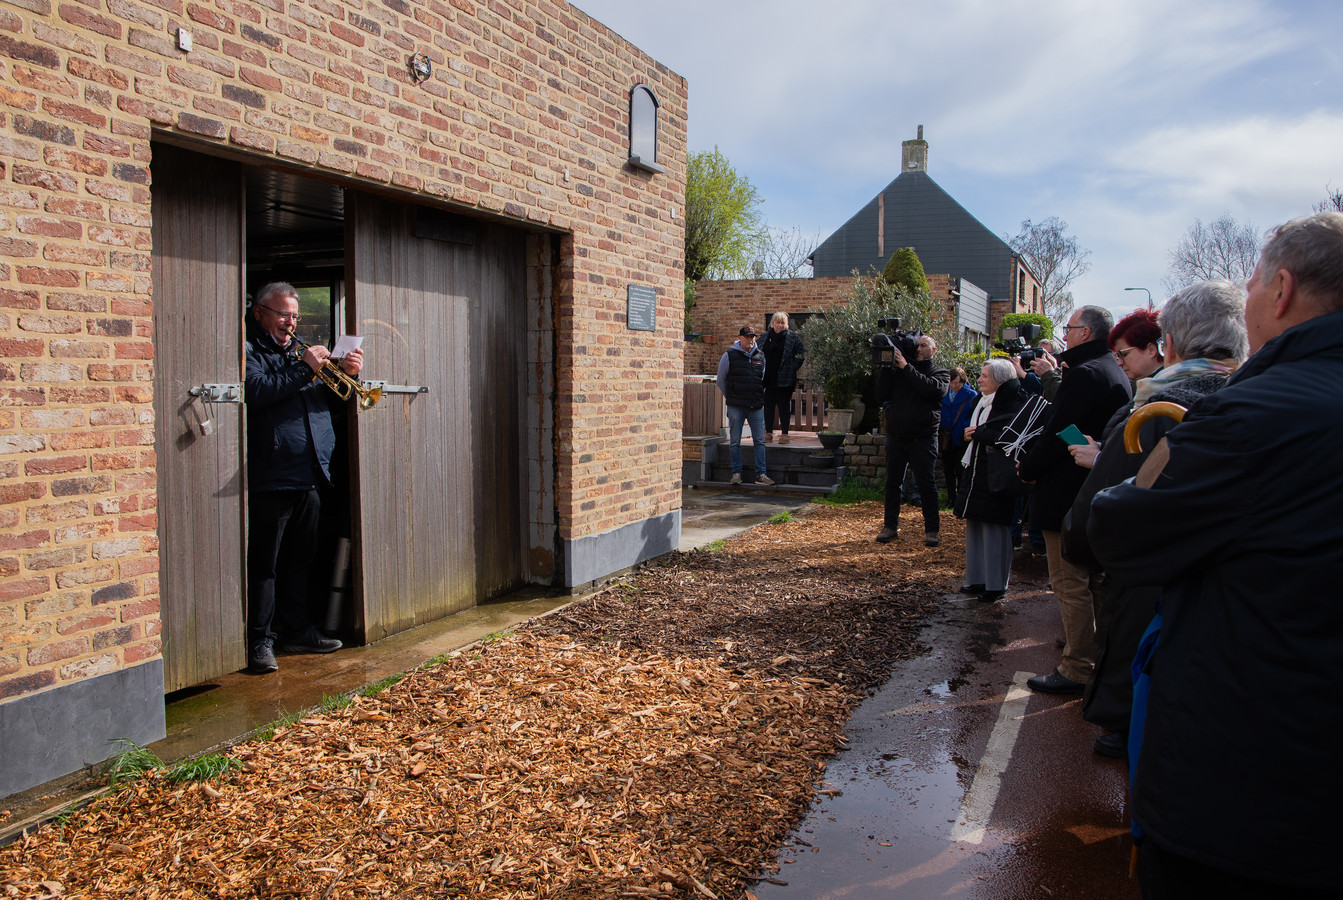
988	515
1205	341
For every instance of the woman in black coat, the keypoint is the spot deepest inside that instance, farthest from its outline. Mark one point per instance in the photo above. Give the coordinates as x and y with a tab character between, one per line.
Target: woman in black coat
988	515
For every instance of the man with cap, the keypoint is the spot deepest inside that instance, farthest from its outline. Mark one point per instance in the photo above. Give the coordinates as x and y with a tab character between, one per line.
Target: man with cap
741	379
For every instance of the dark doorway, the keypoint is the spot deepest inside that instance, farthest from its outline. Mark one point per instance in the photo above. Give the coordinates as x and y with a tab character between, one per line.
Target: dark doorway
430	487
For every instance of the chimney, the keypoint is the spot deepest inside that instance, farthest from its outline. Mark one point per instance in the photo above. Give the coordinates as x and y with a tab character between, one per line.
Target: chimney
914	154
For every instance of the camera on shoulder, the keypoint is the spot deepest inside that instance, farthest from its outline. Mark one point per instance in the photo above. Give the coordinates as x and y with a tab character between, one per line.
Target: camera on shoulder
890	338
1017	340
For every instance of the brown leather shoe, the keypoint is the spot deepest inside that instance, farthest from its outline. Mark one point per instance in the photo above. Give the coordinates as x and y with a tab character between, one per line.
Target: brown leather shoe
886	535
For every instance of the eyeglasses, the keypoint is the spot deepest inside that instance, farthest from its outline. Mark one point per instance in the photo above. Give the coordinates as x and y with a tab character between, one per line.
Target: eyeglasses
1122	354
292	317
1070	327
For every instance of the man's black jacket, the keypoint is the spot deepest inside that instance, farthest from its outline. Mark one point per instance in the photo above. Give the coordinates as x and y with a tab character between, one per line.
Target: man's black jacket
912	398
289	432
1093	388
1239	767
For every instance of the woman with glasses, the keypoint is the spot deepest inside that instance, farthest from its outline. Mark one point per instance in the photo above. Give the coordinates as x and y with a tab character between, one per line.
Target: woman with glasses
1135	342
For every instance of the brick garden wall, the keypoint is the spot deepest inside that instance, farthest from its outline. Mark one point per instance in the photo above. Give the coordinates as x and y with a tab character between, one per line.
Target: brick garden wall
525	118
722	307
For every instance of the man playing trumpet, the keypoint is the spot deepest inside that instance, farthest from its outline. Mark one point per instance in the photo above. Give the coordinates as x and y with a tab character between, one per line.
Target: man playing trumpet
290	439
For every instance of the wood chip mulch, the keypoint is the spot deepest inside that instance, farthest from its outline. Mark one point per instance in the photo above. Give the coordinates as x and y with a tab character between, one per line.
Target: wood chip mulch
656	740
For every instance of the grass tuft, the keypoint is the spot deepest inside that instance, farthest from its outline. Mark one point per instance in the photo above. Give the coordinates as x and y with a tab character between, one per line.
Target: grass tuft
854	490
781	518
203	768
132	763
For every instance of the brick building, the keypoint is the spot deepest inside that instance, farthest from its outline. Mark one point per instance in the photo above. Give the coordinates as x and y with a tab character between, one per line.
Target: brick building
459	184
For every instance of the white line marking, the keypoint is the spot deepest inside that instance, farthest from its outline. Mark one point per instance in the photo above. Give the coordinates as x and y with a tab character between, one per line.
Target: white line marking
983	793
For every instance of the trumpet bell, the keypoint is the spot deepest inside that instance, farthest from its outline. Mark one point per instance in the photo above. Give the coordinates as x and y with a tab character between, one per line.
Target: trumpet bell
369	398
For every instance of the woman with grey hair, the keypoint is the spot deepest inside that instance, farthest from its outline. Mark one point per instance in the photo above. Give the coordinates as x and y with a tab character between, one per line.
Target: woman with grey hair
1205	341
988	514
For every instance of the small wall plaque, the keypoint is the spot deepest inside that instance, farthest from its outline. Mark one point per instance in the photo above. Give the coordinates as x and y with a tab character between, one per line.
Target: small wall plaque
641	304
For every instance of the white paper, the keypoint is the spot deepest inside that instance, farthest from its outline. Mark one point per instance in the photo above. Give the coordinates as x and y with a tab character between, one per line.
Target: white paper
344	344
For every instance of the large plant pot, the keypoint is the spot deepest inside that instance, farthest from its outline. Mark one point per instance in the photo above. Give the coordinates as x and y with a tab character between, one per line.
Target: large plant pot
840	420
831	440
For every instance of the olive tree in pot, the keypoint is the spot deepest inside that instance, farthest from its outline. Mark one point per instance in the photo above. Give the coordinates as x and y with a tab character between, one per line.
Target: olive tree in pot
838	340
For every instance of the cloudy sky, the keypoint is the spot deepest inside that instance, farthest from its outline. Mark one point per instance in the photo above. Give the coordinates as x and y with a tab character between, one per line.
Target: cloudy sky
1128	118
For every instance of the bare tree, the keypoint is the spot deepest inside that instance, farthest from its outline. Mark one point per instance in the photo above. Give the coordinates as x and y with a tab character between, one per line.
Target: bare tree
782	253
1224	248
1056	259
1332	202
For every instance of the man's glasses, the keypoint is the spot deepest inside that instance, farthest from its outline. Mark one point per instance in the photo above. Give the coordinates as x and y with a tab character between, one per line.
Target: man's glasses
1070	327
292	317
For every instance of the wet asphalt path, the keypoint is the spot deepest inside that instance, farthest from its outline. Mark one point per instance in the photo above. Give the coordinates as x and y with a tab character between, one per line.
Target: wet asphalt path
919	811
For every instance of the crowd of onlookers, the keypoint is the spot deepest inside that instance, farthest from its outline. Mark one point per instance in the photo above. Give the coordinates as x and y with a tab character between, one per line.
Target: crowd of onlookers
1198	569
1196	555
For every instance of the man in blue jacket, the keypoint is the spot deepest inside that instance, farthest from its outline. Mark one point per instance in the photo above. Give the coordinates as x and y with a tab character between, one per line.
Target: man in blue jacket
289	443
1235	515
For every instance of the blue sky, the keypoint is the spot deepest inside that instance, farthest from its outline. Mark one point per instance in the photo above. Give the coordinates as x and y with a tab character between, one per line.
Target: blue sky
1128	119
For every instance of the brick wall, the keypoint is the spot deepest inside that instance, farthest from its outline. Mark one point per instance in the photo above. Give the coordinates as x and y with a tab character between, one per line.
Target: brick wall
722	307
525	118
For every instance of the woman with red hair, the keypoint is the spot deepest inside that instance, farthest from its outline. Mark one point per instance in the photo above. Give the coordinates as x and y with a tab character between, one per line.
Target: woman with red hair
1134	341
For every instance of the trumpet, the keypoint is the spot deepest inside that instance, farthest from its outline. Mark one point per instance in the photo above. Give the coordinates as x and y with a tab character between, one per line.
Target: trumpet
336	378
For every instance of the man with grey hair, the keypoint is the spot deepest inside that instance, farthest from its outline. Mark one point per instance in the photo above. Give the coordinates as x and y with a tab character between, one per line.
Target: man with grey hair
1093	387
1235	517
290	438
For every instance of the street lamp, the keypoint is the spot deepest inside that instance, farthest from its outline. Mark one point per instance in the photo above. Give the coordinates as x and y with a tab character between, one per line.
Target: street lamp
1145	291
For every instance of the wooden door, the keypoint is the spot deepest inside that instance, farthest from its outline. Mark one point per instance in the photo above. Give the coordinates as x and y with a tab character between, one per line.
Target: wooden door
197	270
441	475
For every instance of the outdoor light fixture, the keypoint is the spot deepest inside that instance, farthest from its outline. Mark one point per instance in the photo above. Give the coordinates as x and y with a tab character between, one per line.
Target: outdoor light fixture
1145	291
420	68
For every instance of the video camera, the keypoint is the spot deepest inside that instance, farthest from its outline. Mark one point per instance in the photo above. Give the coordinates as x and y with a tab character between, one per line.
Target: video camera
1017	340
891	338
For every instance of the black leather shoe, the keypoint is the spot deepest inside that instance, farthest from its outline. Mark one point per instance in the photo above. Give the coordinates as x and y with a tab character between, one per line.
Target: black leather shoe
971	589
992	596
930	539
1054	683
1114	745
312	642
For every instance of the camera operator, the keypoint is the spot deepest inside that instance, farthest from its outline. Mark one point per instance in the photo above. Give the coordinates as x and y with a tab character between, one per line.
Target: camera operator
1045	375
911	393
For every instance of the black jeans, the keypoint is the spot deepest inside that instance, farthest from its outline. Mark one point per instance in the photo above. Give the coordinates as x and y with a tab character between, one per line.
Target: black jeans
781	399
918	454
952	469
281	541
1166	876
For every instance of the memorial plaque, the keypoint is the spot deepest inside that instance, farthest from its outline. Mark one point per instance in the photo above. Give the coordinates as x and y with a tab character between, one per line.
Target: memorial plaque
641	306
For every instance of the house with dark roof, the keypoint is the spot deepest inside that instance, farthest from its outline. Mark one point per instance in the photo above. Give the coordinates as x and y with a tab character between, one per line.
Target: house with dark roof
914	211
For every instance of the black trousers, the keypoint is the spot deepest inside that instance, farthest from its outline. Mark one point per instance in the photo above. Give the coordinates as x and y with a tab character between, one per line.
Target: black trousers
780	399
951	470
282	538
919	455
1166	876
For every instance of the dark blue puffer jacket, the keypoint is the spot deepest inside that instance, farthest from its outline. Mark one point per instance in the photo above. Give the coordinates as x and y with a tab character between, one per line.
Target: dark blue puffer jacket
289	431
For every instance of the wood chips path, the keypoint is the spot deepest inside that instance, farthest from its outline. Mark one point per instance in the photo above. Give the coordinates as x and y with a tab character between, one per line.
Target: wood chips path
656	740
